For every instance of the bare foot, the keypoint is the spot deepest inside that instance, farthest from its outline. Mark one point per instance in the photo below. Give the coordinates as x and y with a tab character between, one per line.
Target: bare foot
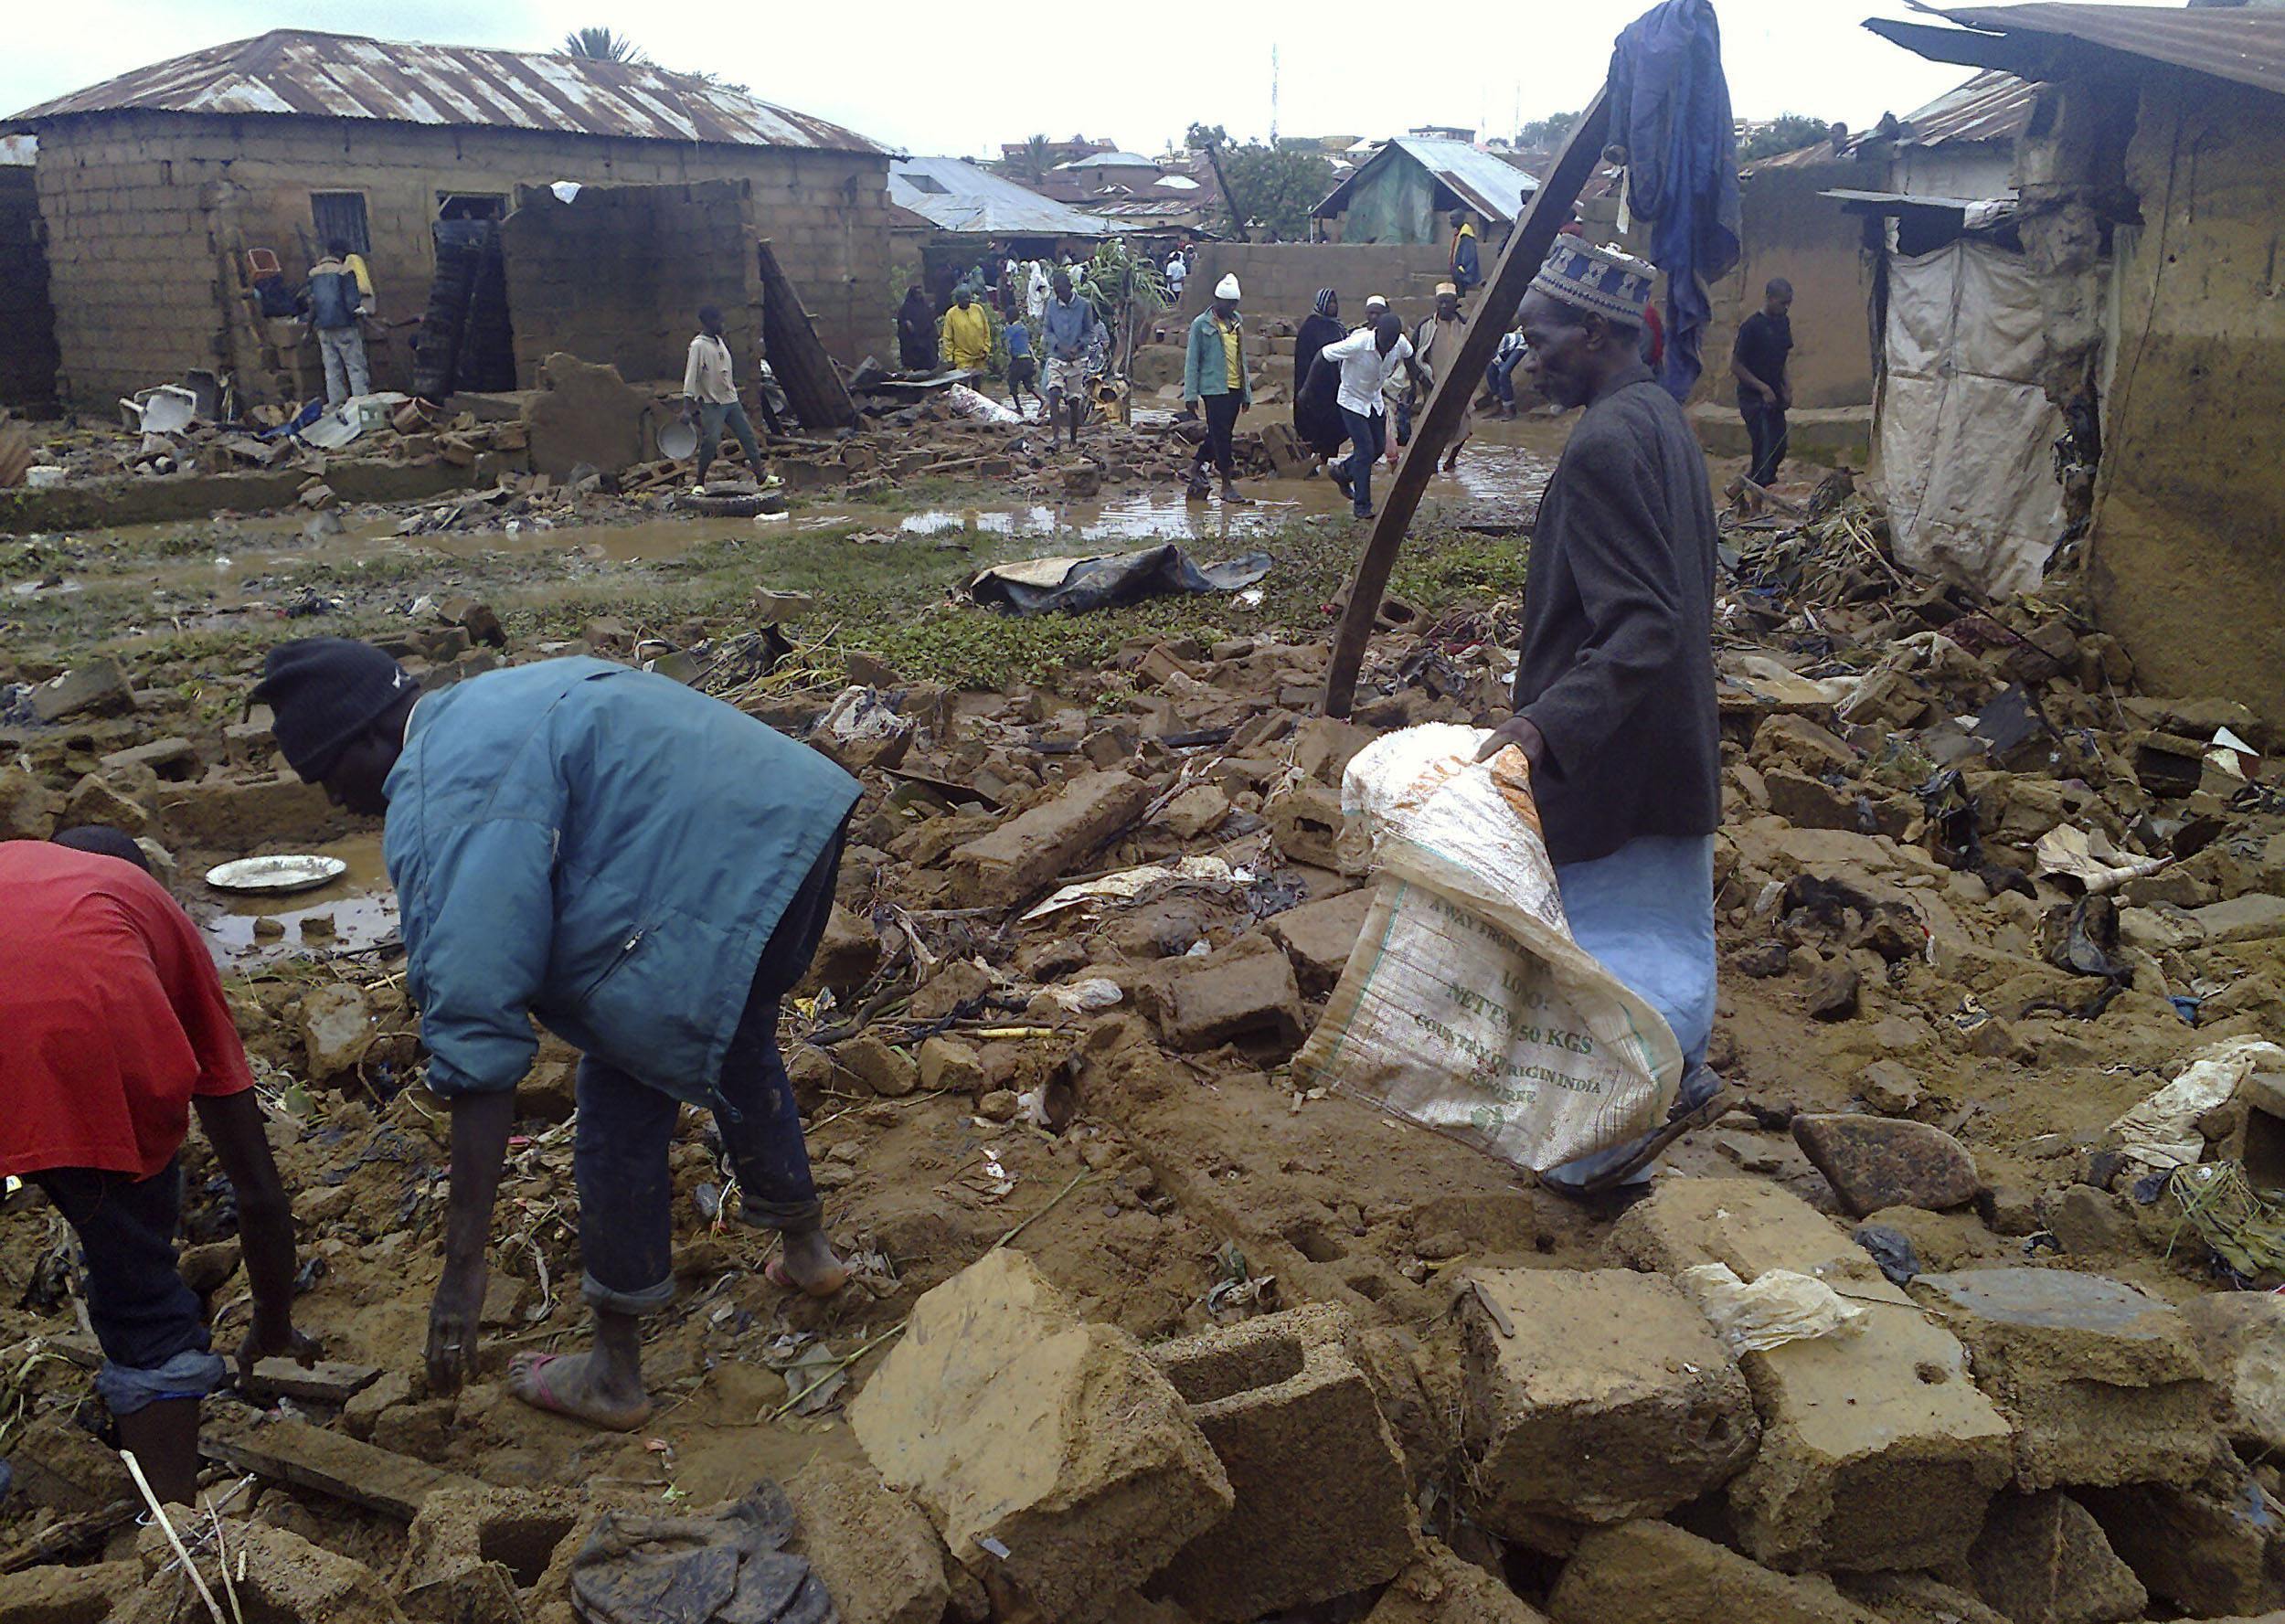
808	1266
574	1384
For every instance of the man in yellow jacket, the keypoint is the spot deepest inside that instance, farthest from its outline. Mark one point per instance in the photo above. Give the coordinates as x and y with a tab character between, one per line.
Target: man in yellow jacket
968	333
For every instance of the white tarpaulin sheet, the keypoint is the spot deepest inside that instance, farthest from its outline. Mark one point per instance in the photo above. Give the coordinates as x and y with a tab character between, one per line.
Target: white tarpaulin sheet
1966	433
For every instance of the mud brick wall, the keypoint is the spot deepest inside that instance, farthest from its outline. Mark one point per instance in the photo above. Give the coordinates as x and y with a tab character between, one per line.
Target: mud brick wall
27	321
1279	279
617	275
1789	230
146	215
2188	553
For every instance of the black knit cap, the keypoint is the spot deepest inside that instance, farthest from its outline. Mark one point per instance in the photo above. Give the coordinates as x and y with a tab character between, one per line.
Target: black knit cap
323	692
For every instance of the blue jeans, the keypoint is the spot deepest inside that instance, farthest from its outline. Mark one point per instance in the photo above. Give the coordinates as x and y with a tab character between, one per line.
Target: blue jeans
1500	377
150	1324
1368	438
619	1160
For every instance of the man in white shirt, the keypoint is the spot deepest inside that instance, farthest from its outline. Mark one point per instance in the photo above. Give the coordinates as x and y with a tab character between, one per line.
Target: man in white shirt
1367	358
1177	273
713	398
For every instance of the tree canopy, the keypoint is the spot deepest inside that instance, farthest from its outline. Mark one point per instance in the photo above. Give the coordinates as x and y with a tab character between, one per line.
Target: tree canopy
600	45
1789	133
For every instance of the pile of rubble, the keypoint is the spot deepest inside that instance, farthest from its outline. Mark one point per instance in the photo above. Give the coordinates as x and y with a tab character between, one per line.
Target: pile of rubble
1936	1323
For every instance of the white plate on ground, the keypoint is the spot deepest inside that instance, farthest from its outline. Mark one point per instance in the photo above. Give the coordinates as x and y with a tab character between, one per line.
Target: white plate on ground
277	875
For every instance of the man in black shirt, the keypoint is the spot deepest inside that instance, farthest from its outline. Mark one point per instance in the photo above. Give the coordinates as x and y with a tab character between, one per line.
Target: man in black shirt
1614	700
1758	361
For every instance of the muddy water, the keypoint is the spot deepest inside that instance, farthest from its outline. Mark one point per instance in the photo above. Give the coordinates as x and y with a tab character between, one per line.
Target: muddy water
358	905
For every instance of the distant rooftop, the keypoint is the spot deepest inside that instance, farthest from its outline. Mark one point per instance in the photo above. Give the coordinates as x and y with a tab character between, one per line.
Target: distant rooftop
956	196
1111	161
294	72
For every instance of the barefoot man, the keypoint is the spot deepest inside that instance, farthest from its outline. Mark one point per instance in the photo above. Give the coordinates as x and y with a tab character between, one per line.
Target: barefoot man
646	871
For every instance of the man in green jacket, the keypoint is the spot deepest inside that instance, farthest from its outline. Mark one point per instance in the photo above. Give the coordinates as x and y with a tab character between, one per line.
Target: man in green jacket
1213	377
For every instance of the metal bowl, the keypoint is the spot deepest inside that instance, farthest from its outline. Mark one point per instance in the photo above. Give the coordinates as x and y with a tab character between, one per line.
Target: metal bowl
676	440
276	875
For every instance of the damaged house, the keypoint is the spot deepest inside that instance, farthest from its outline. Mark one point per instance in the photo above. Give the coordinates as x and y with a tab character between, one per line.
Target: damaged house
168	196
2122	306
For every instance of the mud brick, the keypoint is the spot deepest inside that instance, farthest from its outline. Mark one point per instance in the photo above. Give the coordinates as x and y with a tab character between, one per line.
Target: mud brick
1877	1451
1322	1505
2043	1559
1039	845
1318	937
1060	1466
2103	1384
1246	991
1606	1396
1653	1573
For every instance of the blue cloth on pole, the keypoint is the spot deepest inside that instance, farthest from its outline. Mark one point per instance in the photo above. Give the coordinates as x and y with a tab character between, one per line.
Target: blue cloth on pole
1670	111
1646	913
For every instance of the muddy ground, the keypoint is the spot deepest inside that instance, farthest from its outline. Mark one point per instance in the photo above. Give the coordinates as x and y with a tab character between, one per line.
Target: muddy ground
1872	963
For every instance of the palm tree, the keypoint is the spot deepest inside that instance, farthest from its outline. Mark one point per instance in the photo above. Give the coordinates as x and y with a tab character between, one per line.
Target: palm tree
600	45
1033	161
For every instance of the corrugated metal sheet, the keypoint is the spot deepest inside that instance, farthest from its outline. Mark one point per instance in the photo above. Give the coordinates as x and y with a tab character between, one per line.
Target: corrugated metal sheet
294	72
973	199
1989	107
1492	186
1111	161
2246	45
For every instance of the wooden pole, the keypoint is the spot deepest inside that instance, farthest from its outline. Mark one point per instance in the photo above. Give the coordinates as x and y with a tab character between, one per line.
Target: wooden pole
1525	251
1229	201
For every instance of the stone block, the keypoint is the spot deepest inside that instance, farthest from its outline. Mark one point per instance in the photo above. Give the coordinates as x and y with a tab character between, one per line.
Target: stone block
1653	1573
1038	845
2240	1336
27	807
875	1551
1245	991
2043	1559
948	1063
2103	1384
1608	1398
1318	937
1324	1507
1440	1588
1915	1598
98	688
2210	1547
1061	1468
877	1066
1876	1162
284	1576
846	953
1877	1451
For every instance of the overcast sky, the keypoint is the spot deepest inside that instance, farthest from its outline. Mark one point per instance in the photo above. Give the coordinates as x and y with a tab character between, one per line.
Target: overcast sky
962	79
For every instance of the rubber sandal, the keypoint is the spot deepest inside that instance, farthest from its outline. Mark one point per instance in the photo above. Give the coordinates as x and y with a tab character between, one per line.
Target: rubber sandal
774	1272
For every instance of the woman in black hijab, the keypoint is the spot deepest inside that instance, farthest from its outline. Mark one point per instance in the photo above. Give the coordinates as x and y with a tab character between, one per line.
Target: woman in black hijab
915	332
1316	415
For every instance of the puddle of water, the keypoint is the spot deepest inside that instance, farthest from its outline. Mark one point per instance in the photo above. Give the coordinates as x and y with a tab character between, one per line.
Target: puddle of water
360	905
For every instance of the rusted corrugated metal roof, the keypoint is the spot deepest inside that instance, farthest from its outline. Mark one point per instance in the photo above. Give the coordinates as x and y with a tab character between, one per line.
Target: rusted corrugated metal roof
1989	107
294	72
1488	184
2244	45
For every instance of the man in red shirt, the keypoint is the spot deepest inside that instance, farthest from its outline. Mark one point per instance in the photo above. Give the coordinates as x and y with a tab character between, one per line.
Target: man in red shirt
112	1025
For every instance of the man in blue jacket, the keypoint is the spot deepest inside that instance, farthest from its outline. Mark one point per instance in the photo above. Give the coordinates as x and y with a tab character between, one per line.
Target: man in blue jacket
645	870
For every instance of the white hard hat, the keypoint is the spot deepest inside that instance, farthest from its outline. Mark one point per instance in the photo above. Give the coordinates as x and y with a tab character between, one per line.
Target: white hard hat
1227	287
1381	299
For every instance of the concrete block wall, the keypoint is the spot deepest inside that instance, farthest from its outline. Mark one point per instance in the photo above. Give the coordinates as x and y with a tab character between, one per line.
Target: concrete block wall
617	275
138	206
27	321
